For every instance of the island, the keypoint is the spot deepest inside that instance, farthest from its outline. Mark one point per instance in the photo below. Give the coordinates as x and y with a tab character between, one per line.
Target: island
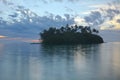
71	35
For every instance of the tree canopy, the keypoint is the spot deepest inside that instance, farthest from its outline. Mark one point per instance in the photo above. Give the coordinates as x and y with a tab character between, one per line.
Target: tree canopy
71	35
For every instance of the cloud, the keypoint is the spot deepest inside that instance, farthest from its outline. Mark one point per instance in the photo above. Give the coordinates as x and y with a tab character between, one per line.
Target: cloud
14	15
25	23
94	19
69	9
73	0
112	13
86	13
6	2
67	16
113	24
118	20
106	17
49	1
58	0
80	21
111	17
98	6
25	28
20	7
44	1
58	18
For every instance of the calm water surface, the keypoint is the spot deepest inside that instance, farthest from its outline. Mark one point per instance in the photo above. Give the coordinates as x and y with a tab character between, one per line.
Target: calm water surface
24	61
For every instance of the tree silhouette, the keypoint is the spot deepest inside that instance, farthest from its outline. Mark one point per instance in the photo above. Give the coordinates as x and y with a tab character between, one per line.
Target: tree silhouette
70	35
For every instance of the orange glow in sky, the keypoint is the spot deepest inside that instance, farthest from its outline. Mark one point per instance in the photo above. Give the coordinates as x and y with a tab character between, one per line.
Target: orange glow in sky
2	36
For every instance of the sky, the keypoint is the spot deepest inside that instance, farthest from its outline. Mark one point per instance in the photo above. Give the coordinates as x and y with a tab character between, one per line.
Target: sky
26	18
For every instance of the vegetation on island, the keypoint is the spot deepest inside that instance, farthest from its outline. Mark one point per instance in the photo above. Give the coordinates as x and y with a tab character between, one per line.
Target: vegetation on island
71	35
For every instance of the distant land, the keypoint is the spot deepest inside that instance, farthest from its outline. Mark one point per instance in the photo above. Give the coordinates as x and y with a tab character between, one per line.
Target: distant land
71	35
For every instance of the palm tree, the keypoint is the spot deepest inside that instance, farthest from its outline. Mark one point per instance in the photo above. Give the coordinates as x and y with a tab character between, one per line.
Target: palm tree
94	30
62	29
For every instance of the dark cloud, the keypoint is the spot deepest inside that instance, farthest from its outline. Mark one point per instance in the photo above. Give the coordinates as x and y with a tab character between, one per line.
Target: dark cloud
2	21
45	1
112	12
58	18
6	2
20	7
50	15
67	16
118	20
10	3
13	15
0	18
94	19
99	17
25	14
25	28
29	24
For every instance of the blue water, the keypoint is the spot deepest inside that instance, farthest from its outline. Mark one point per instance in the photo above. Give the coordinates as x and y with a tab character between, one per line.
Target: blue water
24	61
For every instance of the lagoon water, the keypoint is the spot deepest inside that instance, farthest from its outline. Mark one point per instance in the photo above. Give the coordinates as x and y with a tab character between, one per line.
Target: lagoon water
24	61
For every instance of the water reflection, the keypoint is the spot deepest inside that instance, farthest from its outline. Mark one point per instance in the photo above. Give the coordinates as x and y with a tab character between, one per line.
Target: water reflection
77	60
23	61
